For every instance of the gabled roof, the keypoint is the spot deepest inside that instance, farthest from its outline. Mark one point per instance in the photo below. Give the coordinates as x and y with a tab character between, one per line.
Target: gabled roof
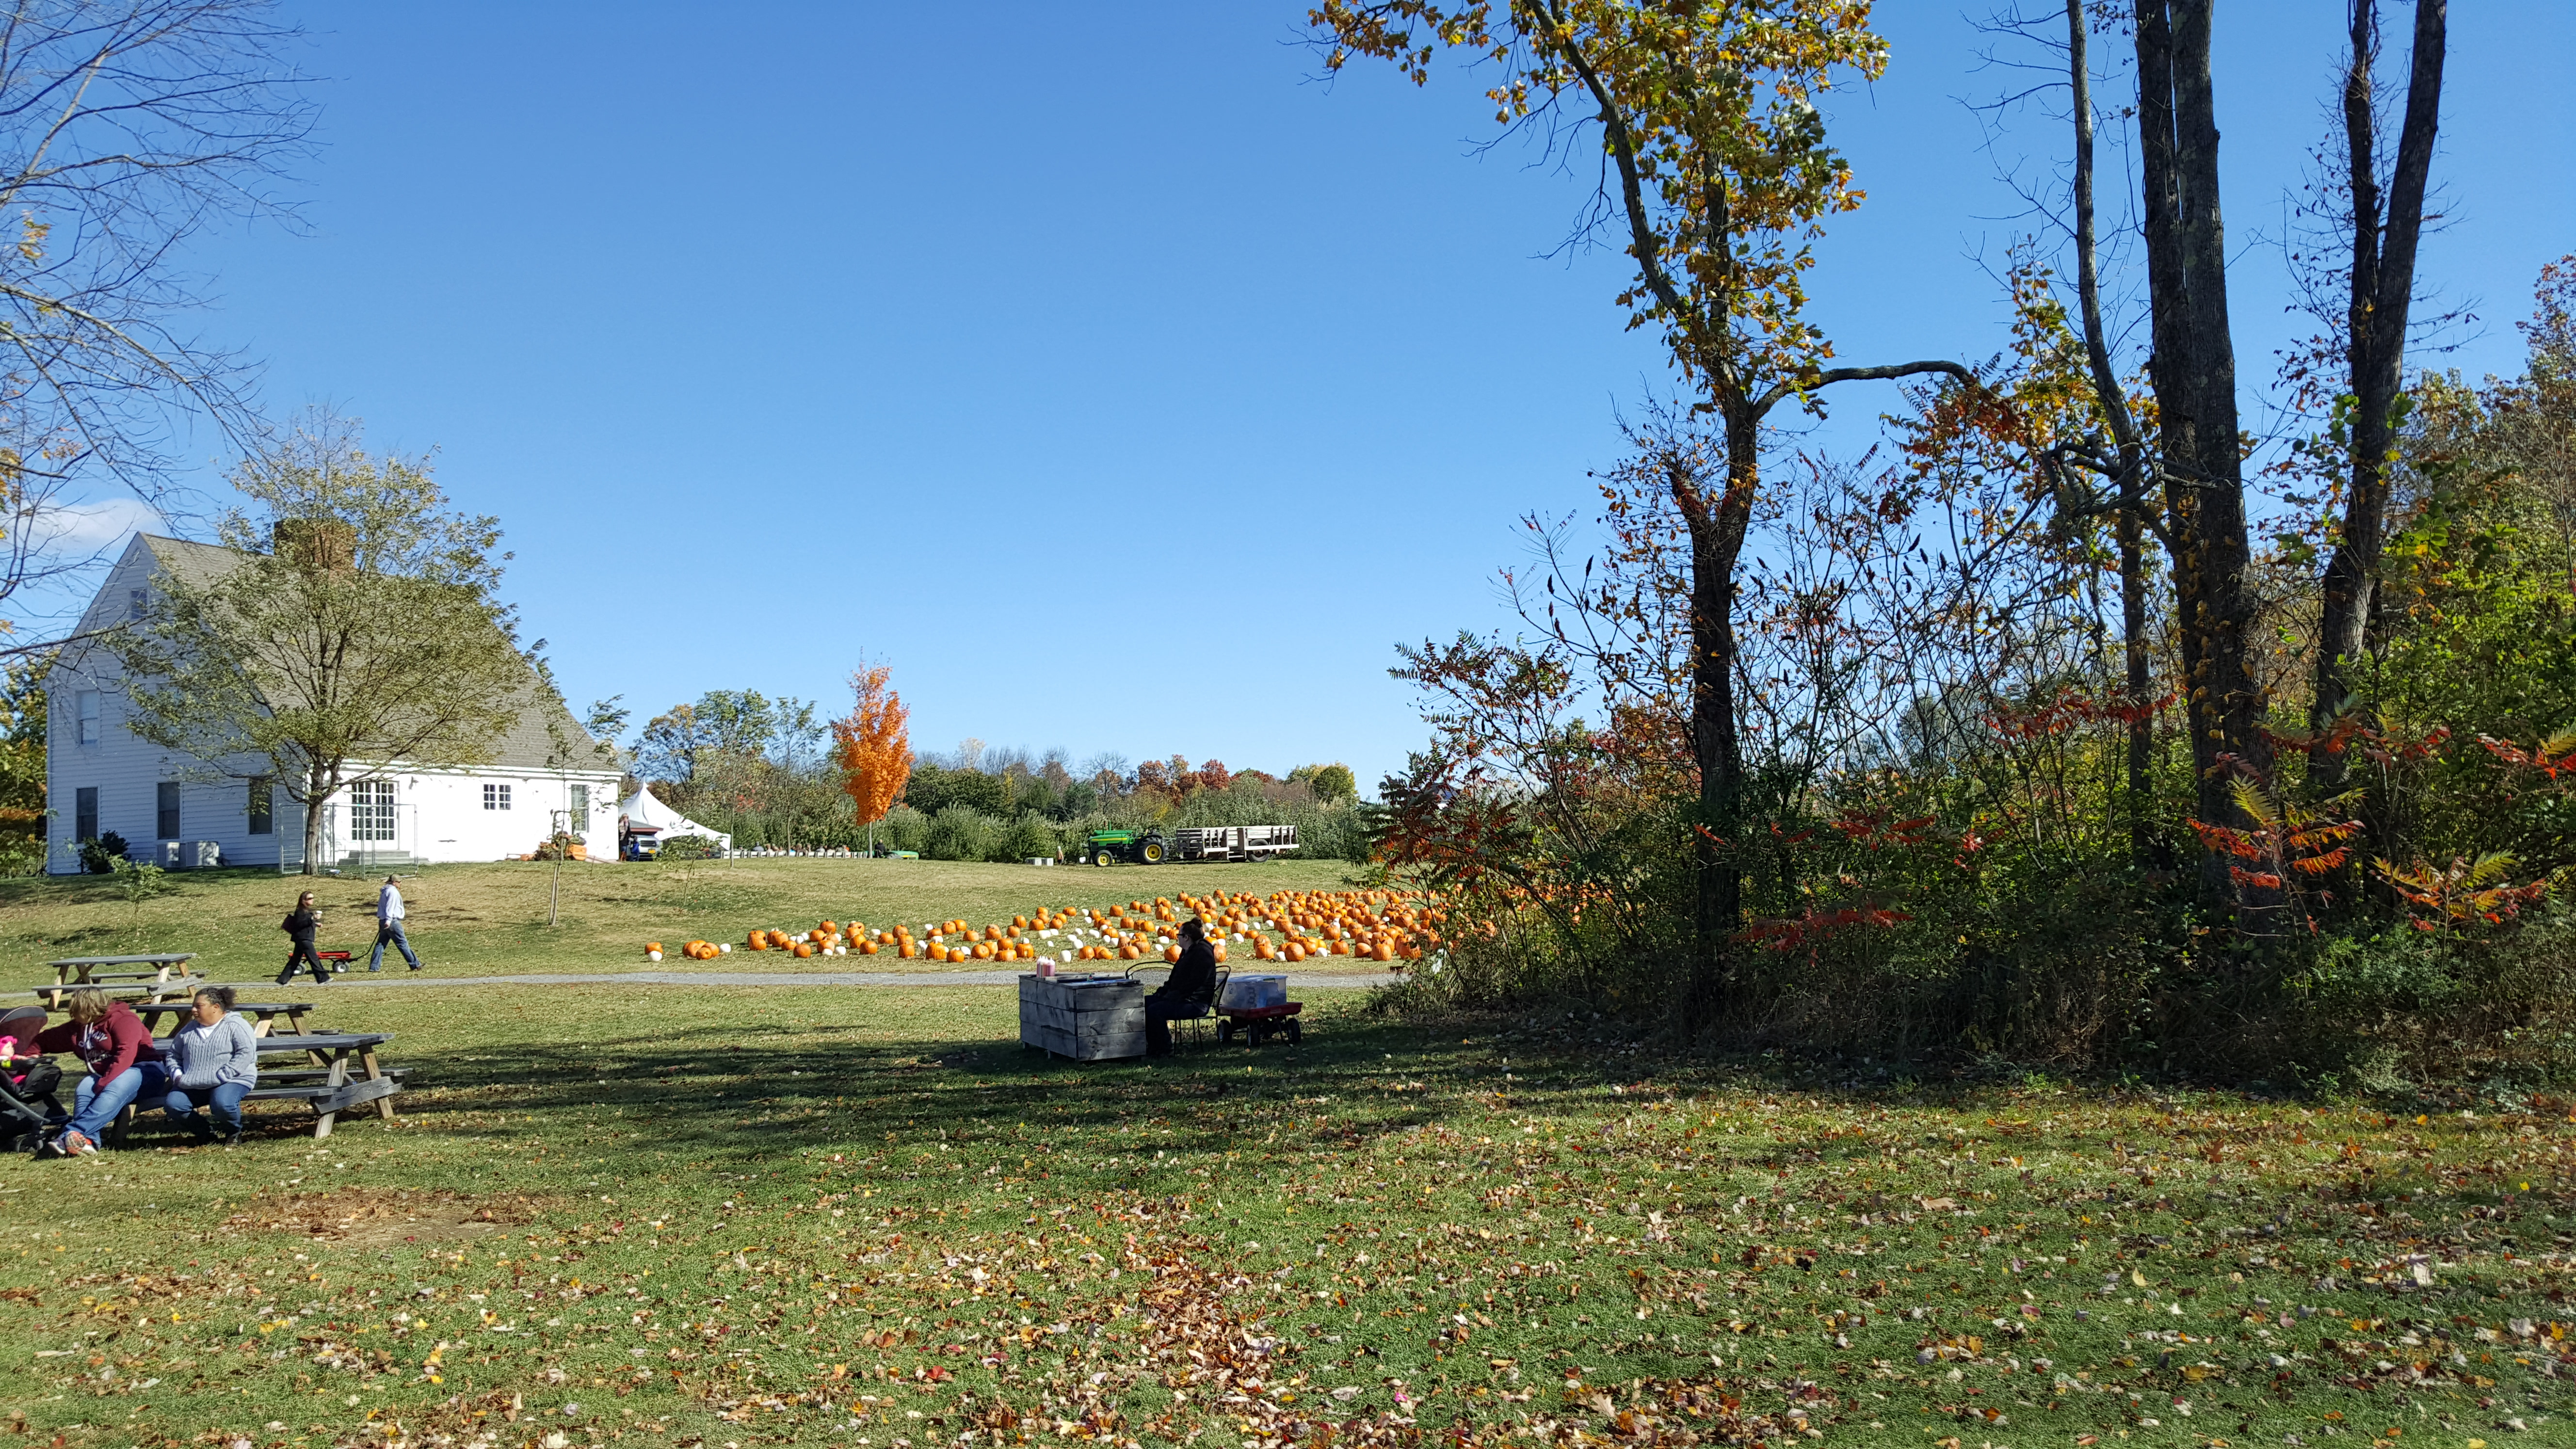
526	745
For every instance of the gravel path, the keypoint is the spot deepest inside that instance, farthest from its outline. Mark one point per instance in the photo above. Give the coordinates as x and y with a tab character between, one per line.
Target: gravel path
1296	981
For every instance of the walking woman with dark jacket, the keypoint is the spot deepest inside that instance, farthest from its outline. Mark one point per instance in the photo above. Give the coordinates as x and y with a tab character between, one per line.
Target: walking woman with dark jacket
299	926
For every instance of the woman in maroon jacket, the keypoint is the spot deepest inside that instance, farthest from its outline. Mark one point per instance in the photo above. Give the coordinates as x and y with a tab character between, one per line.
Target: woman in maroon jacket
123	1064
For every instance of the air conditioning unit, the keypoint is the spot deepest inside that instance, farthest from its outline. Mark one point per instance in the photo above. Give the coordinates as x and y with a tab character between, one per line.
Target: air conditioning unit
191	854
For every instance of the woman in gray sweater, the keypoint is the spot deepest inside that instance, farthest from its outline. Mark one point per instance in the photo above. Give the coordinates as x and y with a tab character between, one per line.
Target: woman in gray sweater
213	1063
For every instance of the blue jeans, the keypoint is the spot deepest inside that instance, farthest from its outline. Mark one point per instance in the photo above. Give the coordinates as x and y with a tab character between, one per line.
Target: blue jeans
94	1106
391	931
223	1100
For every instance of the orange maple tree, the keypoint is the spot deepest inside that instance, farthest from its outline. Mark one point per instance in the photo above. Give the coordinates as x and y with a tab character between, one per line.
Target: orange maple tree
871	746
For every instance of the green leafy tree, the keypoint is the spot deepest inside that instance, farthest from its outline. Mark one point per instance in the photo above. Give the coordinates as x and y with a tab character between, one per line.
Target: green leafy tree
1718	180
22	767
354	633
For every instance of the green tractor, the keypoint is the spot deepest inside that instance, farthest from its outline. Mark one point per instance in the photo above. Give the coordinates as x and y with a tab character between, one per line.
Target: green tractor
1108	847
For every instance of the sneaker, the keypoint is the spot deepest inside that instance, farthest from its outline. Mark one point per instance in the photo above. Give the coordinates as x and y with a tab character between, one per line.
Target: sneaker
74	1143
375	968
234	1138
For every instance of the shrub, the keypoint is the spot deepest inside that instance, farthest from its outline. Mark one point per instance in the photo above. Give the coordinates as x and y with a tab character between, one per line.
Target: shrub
904	828
1028	838
688	847
100	855
961	832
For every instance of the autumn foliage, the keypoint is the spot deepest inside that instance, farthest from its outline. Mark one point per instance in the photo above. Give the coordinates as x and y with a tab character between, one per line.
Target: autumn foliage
871	746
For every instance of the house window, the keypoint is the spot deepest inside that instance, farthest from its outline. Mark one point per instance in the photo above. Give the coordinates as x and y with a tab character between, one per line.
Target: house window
371	811
581	807
166	810
85	706
133	603
496	797
263	813
85	813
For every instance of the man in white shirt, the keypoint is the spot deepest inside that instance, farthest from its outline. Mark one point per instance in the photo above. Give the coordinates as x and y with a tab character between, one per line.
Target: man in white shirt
389	927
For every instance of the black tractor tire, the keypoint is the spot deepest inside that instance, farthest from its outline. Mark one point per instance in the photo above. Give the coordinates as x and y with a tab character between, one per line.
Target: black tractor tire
1103	857
1152	852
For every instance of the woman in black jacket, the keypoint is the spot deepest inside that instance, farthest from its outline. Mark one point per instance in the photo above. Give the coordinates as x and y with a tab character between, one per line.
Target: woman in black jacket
1185	995
299	927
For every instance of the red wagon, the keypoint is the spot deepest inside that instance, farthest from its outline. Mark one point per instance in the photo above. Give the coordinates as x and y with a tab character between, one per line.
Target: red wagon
1259	1024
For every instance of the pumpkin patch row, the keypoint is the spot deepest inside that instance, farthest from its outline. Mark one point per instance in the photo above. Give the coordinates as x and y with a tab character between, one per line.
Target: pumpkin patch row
1395	927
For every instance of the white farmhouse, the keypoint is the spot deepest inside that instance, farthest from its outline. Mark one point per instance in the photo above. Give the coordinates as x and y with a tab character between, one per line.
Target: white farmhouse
102	779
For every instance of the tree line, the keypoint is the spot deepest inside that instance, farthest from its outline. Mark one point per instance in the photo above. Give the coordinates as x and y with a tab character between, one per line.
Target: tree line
757	767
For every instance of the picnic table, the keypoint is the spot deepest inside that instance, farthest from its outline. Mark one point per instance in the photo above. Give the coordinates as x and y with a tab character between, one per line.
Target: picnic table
323	1083
151	973
266	1012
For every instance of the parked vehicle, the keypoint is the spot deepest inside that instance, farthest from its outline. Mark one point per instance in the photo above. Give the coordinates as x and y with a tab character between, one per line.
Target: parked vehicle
1233	842
1190	842
1109	847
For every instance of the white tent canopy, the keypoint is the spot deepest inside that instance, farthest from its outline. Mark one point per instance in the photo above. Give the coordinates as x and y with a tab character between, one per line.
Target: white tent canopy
641	809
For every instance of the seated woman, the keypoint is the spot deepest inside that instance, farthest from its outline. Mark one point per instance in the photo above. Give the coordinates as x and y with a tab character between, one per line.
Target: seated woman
215	1064
1186	994
123	1063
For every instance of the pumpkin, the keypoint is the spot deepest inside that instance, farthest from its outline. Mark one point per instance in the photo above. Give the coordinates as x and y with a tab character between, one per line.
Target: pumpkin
803	949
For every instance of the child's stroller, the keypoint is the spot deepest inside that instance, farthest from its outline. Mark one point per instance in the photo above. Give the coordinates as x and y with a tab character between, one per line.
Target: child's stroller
29	1113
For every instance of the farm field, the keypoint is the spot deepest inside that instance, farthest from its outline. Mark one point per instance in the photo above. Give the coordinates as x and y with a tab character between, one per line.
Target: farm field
488	919
729	1216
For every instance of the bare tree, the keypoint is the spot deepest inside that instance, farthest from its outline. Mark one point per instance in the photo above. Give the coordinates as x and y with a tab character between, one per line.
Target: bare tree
125	127
2385	227
2193	369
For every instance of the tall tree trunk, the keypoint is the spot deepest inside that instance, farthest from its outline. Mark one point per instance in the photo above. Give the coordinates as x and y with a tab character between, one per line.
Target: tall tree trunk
2383	287
319	785
1716	525
2194	373
2113	400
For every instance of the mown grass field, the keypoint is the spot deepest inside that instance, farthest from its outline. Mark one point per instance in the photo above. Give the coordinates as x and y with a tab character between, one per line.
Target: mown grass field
491	918
739	1216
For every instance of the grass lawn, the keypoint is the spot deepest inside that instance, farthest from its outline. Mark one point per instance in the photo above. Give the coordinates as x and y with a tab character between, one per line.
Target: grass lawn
491	918
739	1216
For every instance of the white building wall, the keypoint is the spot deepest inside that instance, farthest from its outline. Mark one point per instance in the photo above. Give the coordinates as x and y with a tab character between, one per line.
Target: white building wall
448	820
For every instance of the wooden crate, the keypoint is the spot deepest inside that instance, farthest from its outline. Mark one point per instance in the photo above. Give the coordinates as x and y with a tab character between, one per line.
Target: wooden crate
1088	1019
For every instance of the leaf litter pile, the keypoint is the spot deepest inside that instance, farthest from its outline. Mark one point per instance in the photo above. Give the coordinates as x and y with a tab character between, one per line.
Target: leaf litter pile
1500	1234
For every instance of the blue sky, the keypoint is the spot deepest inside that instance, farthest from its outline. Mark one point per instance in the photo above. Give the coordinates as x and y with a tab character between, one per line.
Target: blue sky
1117	384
